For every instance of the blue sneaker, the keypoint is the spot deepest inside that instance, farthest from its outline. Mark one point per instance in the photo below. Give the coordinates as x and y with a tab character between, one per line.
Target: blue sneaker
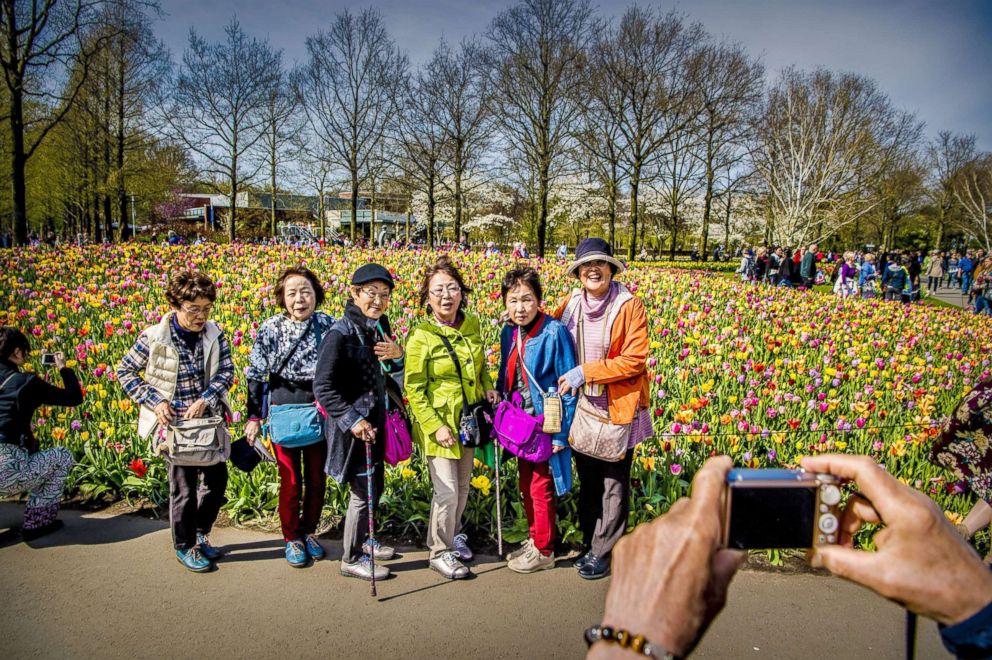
296	554
207	550
193	559
314	549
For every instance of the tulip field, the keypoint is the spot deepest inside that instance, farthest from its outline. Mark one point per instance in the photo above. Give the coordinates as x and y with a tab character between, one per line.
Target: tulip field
765	375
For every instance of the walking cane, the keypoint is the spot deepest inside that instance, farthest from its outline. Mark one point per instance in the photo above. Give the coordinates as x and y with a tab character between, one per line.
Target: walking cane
369	473
499	511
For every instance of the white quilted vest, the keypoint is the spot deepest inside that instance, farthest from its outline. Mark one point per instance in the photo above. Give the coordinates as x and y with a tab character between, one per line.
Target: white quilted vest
162	369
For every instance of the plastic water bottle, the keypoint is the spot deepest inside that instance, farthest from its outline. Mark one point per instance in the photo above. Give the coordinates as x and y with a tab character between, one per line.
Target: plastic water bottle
552	412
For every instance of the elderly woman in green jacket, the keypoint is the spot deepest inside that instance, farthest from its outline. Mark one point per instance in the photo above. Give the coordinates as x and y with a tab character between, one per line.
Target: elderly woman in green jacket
435	394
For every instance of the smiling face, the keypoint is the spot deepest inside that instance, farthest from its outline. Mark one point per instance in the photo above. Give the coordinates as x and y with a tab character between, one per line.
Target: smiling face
372	298
445	295
595	277
299	298
522	304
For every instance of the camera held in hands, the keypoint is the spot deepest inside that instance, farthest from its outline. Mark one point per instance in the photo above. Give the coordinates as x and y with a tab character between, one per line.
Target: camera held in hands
779	508
48	359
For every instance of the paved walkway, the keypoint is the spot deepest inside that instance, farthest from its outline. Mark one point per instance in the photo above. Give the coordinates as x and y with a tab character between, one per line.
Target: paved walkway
951	296
108	587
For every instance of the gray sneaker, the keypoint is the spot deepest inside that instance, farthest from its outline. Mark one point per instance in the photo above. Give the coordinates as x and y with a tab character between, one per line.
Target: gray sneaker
461	549
447	564
362	569
522	550
382	552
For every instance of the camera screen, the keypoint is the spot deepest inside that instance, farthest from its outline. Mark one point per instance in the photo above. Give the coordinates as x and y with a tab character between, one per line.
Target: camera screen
762	518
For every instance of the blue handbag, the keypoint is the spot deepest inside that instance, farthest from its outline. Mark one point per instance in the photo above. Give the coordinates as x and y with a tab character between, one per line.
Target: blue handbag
295	425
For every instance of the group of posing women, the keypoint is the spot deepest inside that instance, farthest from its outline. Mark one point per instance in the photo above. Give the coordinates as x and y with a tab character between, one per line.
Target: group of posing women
324	389
327	389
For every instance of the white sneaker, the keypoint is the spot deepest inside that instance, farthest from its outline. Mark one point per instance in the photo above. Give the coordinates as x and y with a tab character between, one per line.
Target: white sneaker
461	549
519	552
447	564
362	569
531	562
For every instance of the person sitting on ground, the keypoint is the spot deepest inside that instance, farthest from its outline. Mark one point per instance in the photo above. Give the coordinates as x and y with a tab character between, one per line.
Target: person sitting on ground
671	575
24	466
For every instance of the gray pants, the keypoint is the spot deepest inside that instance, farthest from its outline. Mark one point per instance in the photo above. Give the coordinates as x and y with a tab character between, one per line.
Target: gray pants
356	521
604	500
451	478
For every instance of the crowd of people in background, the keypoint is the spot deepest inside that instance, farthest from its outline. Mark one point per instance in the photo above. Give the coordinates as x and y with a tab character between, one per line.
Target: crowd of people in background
896	276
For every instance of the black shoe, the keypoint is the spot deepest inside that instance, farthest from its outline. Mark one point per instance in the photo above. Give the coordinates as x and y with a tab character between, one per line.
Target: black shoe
37	532
595	568
582	560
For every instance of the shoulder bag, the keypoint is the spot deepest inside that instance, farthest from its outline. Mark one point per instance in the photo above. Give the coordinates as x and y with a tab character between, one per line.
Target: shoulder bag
294	425
593	433
201	441
517	431
475	428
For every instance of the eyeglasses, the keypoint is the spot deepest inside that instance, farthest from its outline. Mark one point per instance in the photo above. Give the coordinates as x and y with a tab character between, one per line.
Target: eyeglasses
197	311
597	263
439	291
376	295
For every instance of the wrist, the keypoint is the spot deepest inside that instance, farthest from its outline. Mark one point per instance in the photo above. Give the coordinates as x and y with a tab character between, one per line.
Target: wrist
970	600
613	642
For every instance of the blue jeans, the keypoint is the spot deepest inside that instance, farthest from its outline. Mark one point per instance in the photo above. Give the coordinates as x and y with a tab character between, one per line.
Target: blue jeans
965	282
982	306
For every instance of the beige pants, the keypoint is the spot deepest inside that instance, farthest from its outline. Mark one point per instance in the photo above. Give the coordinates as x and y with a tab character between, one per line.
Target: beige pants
450	478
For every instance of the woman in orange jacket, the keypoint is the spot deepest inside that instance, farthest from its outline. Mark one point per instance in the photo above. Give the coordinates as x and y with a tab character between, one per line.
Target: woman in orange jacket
611	333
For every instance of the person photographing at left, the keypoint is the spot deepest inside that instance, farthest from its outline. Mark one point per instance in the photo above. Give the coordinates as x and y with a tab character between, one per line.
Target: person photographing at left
24	465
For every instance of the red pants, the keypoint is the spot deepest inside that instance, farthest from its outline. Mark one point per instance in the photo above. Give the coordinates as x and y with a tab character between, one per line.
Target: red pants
307	483
538	490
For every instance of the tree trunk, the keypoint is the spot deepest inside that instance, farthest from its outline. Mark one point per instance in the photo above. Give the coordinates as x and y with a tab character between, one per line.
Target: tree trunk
125	229
635	182
18	165
458	191
272	179
372	240
233	219
708	202
542	220
354	200
612	205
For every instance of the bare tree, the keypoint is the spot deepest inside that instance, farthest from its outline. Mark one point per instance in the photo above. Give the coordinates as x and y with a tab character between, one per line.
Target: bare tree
463	113
316	169
218	109
729	87
281	125
946	156
536	59
973	191
823	137
136	65
599	138
646	60
39	42
349	88
423	143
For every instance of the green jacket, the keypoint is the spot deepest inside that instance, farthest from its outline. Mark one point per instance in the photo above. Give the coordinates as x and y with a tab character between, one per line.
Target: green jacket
431	382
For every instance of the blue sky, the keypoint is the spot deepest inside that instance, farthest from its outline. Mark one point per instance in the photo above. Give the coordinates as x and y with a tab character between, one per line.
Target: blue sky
931	57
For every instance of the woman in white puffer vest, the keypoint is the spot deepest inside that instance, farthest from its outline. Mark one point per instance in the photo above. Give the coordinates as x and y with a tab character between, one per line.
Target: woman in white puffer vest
178	371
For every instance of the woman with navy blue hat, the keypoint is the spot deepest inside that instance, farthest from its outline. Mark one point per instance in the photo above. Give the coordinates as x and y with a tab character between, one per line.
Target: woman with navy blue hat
354	365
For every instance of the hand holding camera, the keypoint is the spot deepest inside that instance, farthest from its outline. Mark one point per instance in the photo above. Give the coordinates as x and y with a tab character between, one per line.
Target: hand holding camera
921	562
56	360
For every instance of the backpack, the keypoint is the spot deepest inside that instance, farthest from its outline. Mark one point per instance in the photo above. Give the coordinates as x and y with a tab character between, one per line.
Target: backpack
9	409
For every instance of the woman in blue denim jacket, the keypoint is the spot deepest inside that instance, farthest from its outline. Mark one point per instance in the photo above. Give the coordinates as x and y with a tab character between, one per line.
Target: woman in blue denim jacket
547	353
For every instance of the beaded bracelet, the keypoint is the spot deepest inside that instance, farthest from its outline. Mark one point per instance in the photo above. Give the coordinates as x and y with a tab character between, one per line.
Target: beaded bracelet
626	640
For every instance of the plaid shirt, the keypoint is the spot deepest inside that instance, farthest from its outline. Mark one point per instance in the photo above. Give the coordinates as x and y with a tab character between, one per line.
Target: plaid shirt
189	381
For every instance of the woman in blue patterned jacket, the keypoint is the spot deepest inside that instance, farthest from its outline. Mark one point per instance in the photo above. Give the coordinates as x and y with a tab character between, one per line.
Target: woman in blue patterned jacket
285	356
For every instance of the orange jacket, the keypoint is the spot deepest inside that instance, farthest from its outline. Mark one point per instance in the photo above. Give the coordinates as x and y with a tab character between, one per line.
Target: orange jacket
623	370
